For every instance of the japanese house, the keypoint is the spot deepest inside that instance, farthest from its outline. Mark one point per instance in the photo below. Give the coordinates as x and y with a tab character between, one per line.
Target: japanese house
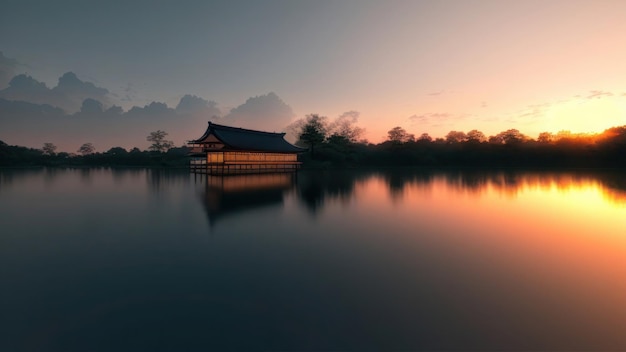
225	150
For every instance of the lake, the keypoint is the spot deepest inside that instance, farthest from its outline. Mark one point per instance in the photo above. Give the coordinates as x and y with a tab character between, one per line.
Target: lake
136	259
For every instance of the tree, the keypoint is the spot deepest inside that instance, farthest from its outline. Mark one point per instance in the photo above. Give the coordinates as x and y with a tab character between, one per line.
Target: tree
456	137
338	139
86	148
159	143
117	151
425	137
314	131
399	135
563	134
511	136
344	127
49	148
476	136
545	137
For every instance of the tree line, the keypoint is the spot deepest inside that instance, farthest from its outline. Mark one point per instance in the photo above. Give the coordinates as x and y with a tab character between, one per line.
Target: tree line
161	152
330	145
339	143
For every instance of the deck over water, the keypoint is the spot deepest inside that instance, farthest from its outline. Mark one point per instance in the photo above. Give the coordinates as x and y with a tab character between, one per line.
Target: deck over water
202	166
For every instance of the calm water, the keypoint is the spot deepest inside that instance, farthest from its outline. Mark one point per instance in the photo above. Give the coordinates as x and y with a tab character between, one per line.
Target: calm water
164	260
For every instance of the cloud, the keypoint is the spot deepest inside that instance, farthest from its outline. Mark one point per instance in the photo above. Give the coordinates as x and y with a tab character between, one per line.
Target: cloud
349	116
419	118
437	120
431	117
434	94
154	110
68	95
91	106
483	104
32	124
26	88
18	109
8	69
597	94
265	112
76	112
129	93
533	111
74	91
198	107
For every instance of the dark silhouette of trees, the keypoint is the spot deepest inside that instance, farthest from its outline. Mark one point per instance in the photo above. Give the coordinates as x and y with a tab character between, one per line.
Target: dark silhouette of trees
509	148
511	136
86	149
314	131
545	137
49	148
425	137
476	136
19	156
159	143
399	135
117	151
344	128
456	137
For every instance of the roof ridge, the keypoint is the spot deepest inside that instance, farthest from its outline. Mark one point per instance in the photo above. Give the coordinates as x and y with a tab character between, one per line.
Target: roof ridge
224	127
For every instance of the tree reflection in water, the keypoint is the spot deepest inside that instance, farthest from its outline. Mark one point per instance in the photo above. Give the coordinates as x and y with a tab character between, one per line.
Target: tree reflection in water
612	184
314	188
224	195
448	259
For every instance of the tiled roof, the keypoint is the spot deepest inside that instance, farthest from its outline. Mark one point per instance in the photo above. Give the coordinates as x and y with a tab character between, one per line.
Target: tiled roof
244	139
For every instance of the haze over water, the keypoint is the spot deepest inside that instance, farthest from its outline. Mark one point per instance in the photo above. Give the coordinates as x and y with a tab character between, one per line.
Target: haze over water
103	259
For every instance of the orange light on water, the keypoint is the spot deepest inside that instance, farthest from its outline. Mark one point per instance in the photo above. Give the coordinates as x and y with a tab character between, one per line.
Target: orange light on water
556	241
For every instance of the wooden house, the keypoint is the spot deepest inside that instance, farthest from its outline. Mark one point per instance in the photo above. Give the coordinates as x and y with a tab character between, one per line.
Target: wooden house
225	150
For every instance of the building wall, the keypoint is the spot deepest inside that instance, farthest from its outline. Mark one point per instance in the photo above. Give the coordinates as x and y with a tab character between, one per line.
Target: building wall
259	157
250	157
231	162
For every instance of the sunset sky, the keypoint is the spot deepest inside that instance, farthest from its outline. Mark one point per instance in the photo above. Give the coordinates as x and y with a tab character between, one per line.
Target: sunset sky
428	66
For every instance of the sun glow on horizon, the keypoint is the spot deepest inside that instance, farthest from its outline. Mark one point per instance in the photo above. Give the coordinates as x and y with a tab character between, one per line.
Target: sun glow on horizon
586	115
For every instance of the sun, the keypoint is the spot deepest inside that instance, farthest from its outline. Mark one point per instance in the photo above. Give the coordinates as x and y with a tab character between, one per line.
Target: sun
583	115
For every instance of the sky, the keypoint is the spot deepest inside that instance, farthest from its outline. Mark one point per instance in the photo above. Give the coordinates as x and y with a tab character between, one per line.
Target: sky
427	66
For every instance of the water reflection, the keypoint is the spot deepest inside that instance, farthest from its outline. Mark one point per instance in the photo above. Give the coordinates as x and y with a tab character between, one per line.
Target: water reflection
325	260
611	184
314	188
162	180
398	181
227	195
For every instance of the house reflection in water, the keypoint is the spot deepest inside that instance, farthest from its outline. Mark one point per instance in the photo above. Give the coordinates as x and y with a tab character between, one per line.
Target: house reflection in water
231	194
